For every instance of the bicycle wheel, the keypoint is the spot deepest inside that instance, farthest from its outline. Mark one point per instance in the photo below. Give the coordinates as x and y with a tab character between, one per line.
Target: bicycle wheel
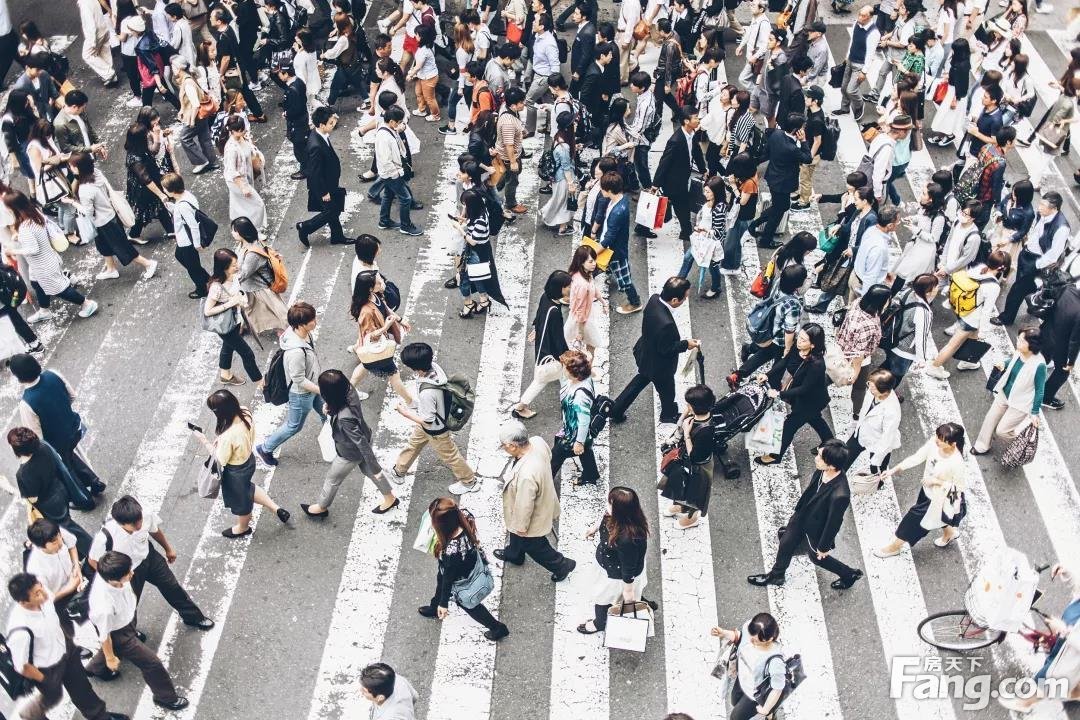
955	630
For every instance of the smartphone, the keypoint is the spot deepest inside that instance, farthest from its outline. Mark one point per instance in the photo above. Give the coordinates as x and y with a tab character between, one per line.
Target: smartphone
453	217
194	428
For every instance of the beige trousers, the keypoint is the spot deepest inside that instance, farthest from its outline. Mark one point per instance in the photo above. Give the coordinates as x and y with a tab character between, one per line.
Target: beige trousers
1006	421
444	447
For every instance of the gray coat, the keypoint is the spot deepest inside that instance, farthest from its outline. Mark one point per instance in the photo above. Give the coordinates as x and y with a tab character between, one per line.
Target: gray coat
352	436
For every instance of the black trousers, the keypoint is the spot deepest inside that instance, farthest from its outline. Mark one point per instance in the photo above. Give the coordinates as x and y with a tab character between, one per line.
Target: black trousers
163	216
743	706
665	388
855	449
8	45
770	220
1059	353
794	541
80	469
147	95
666	98
759	356
188	257
795	421
538	548
561	451
127	646
232	342
68	674
479	613
249	97
330	214
156	571
299	146
1023	286
22	328
70	293
680	206
82	538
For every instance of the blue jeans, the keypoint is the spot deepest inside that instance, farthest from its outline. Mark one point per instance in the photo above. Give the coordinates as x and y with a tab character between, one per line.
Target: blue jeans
714	270
396	188
300	404
733	245
898	171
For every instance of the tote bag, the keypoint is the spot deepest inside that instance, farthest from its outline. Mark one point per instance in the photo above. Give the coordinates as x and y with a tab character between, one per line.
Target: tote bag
1021	450
326	442
425	535
629	626
209	481
766	436
120	205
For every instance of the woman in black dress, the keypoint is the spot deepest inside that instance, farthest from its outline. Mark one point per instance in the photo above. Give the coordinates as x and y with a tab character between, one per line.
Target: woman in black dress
688	481
806	391
457	549
144	190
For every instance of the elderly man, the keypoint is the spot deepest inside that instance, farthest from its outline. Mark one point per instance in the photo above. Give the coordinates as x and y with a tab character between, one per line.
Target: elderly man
530	504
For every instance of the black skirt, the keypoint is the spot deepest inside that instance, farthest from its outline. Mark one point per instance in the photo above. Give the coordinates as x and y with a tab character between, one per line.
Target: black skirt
237	489
111	241
910	529
689	485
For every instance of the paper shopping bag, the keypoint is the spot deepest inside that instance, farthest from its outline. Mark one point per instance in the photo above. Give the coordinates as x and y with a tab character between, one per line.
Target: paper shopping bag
425	535
326	442
629	631
766	436
663	213
648	207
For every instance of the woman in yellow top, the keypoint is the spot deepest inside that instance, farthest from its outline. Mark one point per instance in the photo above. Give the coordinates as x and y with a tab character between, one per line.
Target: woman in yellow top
232	449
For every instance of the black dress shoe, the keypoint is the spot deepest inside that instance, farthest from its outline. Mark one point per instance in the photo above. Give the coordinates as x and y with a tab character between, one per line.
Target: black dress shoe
642	231
117	716
417	205
763	580
497	634
378	509
85	653
1054	404
451	283
321	514
107	675
618	419
998	321
204	624
97	487
841	584
298	175
141	635
283	515
178	704
567	569
301	235
340	241
228	533
670	419
500	553
427	611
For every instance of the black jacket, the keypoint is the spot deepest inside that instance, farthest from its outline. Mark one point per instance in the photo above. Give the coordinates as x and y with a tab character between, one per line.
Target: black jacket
591	90
657	350
548	326
807	393
669	67
791	98
624	560
322	170
297	123
583	48
1064	328
673	173
279	36
785	155
820	511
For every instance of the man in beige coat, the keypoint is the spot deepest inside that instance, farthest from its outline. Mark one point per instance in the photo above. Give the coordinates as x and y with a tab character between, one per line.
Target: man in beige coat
530	504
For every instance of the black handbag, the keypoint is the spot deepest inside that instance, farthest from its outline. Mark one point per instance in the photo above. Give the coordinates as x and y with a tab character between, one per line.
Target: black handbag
794	674
995	375
836	75
834	278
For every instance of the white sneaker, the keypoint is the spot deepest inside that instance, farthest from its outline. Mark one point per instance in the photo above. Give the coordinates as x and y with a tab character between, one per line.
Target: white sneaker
433	118
133	103
88	309
362	395
460	488
965	365
149	272
40	315
1044	8
945	302
107	275
936	371
729	271
419	113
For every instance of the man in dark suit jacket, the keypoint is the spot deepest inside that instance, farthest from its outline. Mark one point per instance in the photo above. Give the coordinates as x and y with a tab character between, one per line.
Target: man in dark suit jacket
682	156
816	520
592	92
785	152
322	169
583	50
657	352
294	108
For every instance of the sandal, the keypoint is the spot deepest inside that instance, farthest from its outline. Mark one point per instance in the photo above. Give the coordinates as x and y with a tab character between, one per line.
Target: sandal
451	283
483	307
468	310
583	628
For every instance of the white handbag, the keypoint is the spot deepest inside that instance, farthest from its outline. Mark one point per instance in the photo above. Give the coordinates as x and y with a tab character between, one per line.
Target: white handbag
549	368
209	481
628	626
326	442
838	367
120	205
478	271
57	236
372	351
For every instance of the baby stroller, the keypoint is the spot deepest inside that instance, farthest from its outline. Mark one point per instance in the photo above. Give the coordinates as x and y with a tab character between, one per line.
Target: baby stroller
735	413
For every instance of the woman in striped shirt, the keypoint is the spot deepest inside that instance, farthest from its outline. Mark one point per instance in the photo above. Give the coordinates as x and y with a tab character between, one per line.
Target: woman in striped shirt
476	256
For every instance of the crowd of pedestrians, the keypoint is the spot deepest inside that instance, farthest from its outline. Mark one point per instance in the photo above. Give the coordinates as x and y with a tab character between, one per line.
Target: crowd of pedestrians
513	80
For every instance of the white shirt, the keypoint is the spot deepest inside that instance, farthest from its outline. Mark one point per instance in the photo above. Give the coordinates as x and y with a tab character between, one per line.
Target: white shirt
644	112
49	642
184	221
135	545
5	18
546	55
111	608
52	571
1057	243
425	63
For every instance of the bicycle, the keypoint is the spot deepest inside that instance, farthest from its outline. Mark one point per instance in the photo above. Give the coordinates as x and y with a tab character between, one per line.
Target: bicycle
958	631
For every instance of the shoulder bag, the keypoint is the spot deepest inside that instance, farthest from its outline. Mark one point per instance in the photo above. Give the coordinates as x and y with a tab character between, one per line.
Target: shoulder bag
1021	450
548	368
120	205
57	238
209	481
221	323
470	591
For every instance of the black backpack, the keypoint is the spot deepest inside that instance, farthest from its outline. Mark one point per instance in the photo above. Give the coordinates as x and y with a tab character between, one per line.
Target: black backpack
599	412
276	384
207	228
652	130
14	683
12	287
564	49
830	139
893	320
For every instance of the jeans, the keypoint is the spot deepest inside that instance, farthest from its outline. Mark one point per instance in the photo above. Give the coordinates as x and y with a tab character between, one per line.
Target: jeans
733	245
70	294
396	188
714	269
899	367
22	328
197	143
232	342
898	171
300	404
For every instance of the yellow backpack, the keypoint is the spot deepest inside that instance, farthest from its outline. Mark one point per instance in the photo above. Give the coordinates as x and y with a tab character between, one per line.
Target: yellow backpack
964	292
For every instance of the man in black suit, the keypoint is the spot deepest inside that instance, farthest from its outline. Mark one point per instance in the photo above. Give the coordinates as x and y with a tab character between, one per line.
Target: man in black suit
785	151
657	352
583	49
592	91
682	156
322	169
294	109
605	33
816	520
231	60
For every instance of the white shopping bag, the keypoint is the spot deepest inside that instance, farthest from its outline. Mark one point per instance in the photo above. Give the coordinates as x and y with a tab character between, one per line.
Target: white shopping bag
10	342
630	631
767	435
326	442
648	208
425	535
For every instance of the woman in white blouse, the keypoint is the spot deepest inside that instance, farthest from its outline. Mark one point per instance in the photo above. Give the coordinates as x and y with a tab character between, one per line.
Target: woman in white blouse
306	64
941	502
240	159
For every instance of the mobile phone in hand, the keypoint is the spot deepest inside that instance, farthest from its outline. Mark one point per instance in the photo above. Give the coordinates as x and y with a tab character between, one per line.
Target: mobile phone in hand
194	428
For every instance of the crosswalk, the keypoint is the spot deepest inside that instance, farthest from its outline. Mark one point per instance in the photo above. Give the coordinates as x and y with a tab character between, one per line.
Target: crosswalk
301	610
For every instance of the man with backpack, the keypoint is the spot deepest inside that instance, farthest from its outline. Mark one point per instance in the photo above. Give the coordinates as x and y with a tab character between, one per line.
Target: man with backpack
772	325
301	367
45	655
186	232
592	92
441	405
984	179
822	134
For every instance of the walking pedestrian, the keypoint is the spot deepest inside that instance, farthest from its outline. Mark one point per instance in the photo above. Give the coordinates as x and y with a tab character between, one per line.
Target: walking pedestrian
395	171
549	341
392	695
1018	394
376	321
229	65
47	486
195	135
681	158
580	329
96	52
52	556
688	480
322	171
1061	332
574	439
241	163
186	231
265	308
510	133
143	186
223	296
295	109
1045	246
877	426
865	37
758	646
302	370
232	451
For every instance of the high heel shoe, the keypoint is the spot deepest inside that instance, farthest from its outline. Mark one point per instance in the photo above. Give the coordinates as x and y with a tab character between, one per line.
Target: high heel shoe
482	307
321	514
379	510
283	515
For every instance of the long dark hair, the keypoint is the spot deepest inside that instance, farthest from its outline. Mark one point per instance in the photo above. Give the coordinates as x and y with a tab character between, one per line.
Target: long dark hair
617	112
223	258
936	205
334	388
816	333
136	140
363	287
387	65
577	262
226	409
446	518
18	104
23	208
627	519
246	229
83	164
553	287
742	105
475	207
485	125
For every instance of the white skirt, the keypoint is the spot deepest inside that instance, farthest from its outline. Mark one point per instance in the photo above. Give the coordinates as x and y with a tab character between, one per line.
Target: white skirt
591	334
605	590
945	118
